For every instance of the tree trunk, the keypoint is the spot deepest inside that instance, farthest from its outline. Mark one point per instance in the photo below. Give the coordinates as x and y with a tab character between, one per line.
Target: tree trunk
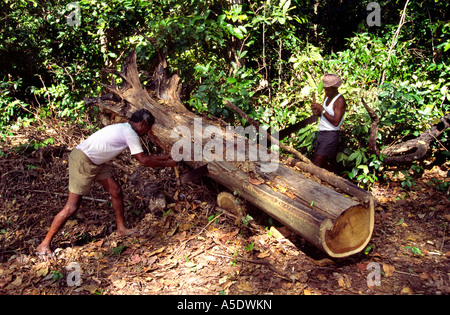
408	151
332	221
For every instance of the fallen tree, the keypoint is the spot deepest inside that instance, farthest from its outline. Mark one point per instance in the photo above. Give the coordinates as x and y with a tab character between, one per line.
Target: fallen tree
408	151
330	212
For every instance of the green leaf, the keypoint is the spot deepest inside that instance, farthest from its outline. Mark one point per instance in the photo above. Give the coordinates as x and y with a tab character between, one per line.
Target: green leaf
242	54
246	220
237	31
119	250
57	275
285	4
200	68
320	87
368	248
400	222
365	168
416	251
50	141
353	156
213	216
447	47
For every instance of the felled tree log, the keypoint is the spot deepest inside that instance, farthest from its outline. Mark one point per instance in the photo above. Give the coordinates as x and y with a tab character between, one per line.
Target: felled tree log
333	221
408	151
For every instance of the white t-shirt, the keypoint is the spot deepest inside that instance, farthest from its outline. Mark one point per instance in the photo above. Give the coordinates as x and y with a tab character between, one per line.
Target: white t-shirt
109	142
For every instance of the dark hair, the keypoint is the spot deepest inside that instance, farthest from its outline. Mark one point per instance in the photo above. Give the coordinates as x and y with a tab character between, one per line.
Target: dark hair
143	115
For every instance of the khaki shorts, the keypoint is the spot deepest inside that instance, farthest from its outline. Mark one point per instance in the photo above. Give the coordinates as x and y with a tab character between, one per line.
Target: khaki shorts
82	172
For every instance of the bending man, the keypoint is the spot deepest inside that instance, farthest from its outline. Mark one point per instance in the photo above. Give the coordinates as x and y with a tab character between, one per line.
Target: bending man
87	163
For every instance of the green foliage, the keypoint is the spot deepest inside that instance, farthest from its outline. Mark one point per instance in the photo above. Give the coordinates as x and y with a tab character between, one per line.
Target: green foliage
267	57
415	251
11	108
217	87
246	219
56	275
54	62
413	94
117	251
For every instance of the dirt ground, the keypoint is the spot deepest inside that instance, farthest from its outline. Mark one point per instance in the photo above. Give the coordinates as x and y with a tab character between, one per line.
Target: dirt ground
186	245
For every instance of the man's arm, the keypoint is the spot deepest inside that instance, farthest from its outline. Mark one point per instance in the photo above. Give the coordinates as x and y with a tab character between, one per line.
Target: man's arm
155	161
339	111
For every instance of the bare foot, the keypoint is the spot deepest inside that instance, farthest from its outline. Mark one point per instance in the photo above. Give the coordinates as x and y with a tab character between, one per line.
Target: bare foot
44	249
44	252
127	232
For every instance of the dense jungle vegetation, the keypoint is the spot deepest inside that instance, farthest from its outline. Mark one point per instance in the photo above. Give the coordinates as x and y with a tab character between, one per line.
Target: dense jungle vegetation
267	57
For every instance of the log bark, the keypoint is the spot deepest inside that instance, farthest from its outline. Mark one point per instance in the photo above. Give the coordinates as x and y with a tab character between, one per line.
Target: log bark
335	222
408	151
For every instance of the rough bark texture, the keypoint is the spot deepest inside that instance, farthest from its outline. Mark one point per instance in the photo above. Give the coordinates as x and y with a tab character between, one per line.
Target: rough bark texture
330	219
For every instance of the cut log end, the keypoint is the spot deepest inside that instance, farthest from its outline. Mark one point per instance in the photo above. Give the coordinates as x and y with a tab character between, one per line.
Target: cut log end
349	233
227	201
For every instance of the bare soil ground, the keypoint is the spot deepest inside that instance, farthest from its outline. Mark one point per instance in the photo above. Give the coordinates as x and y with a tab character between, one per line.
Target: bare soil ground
186	245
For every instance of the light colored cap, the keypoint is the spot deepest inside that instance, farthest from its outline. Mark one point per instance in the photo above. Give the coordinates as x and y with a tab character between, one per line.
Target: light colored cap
331	80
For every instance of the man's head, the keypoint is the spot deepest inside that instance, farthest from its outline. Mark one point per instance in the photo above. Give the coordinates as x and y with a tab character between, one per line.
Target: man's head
142	121
331	83
331	80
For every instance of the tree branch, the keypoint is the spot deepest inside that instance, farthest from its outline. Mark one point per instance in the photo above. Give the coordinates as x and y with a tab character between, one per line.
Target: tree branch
394	154
266	134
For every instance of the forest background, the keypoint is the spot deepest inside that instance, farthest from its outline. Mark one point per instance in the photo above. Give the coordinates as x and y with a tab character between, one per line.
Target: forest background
267	57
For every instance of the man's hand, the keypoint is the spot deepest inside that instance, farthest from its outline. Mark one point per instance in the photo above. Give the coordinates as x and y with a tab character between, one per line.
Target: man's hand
317	108
155	161
165	160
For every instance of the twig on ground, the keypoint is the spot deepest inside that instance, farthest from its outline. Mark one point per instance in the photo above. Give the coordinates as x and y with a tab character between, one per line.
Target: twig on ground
61	194
258	262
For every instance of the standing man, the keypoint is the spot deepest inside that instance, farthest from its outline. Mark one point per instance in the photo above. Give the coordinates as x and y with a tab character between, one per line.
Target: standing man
87	164
332	111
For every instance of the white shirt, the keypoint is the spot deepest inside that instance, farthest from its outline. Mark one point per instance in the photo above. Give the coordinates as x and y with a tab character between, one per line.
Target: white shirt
324	124
107	143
